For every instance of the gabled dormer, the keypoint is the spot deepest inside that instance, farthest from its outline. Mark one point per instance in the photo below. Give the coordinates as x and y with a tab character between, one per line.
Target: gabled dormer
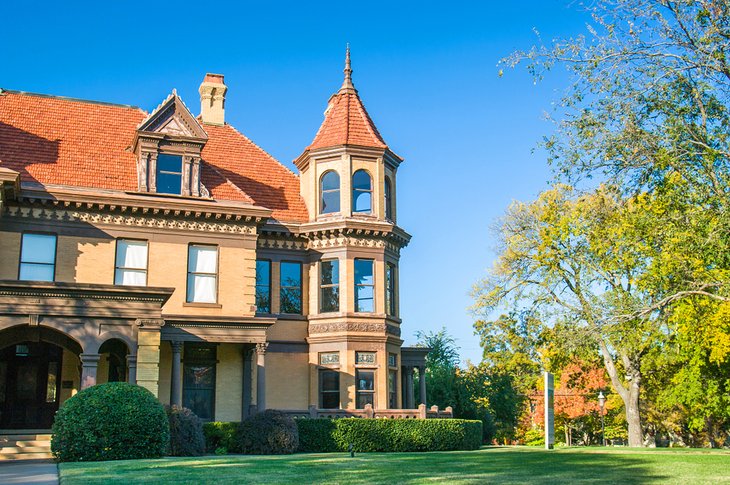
348	171
168	146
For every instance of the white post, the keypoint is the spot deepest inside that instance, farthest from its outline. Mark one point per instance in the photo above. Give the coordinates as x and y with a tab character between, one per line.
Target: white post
549	411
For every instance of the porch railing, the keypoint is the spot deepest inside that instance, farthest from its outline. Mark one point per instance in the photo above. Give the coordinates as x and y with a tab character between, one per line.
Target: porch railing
368	412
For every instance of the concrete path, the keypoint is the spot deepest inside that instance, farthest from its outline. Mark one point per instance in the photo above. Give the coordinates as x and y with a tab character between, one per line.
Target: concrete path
35	472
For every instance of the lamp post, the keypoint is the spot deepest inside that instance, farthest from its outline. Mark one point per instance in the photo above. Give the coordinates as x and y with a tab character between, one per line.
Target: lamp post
602	404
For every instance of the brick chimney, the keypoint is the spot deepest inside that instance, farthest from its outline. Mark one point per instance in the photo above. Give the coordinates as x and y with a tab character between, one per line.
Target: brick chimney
213	99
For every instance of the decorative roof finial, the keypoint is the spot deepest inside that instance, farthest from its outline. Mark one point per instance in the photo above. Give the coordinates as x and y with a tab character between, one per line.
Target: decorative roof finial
347	83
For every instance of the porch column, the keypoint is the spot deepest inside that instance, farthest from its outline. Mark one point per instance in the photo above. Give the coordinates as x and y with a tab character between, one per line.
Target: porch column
148	353
176	377
132	368
247	381
261	376
409	388
89	364
422	384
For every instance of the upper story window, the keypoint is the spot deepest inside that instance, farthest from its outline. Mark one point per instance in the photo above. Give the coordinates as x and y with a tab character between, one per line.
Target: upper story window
37	257
330	193
362	192
388	199
202	274
169	174
329	286
390	288
290	284
364	285
263	286
130	267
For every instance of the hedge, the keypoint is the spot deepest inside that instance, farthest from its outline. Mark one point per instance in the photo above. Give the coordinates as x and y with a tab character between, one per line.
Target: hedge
186	432
114	421
220	437
388	435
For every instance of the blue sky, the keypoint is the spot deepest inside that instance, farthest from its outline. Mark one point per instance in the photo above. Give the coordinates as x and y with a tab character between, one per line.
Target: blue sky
427	73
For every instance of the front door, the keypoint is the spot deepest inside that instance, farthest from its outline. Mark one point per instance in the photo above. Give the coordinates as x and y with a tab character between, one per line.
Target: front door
29	385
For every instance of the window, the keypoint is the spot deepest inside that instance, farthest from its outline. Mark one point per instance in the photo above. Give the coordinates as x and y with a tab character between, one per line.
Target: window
390	289
329	389
130	267
330	193
364	285
37	257
263	286
362	192
202	273
169	174
291	287
199	369
329	284
365	380
392	389
388	199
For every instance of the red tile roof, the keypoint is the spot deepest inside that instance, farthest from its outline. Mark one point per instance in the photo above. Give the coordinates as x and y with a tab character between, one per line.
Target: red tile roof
346	122
60	141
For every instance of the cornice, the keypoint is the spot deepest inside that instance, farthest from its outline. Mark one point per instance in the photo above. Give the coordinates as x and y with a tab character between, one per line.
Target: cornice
85	291
386	153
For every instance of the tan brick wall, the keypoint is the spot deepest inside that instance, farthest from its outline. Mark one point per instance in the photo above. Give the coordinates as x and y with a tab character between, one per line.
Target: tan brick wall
9	255
287	380
229	383
148	359
69	372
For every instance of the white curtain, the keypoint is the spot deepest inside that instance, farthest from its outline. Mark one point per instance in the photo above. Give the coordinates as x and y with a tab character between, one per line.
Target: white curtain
202	287
131	263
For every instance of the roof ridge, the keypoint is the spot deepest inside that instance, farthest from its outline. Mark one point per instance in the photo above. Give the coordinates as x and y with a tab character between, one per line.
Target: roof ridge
70	98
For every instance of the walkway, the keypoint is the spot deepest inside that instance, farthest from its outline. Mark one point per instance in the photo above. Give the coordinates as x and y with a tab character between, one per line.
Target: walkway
40	472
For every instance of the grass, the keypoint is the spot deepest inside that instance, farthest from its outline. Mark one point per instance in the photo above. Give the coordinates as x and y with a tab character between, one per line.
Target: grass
488	465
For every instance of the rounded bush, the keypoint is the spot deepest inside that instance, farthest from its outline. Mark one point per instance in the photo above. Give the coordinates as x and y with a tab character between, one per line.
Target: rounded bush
114	421
268	433
186	432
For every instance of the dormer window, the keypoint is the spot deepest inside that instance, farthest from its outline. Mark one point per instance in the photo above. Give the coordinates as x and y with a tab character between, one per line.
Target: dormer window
169	144
169	174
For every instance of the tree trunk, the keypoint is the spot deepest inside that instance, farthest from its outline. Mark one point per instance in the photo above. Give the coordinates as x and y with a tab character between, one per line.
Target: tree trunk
633	418
629	396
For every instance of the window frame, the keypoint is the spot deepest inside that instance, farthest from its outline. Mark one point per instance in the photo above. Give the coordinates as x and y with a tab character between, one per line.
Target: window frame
392	388
216	275
362	191
117	268
359	392
301	287
322	392
388	198
159	171
391	275
322	191
257	285
55	252
357	286
322	286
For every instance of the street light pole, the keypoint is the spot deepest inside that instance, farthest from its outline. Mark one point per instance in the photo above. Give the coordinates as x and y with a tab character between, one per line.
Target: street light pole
602	404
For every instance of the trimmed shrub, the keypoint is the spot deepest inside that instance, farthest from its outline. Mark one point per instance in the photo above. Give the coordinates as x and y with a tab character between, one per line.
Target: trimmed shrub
316	435
268	433
389	435
221	436
113	421
186	432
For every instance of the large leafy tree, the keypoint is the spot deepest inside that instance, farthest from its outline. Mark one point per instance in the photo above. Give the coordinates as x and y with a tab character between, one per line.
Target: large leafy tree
647	113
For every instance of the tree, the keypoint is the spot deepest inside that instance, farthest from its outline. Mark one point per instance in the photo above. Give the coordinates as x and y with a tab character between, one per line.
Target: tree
441	364
647	112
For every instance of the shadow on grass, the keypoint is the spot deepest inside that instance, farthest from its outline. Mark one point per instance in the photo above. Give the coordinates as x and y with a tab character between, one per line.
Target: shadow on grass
489	465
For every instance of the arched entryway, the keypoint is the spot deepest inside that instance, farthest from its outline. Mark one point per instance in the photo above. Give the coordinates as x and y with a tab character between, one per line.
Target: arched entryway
113	361
39	369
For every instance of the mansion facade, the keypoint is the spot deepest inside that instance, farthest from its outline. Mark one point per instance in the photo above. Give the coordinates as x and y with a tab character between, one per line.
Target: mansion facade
168	250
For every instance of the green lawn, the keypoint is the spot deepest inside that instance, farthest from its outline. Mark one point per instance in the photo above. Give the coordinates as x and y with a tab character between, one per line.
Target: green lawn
488	465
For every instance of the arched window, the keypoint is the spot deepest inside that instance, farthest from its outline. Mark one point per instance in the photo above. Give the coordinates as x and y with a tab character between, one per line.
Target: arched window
362	192
387	196
329	193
